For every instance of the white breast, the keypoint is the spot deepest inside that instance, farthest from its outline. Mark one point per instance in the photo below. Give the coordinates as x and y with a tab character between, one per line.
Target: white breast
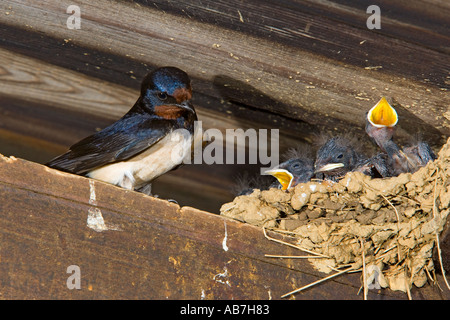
168	153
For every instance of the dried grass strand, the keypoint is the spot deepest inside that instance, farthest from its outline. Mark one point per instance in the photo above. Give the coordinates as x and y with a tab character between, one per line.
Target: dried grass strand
316	282
408	291
438	246
398	225
291	257
293	245
363	268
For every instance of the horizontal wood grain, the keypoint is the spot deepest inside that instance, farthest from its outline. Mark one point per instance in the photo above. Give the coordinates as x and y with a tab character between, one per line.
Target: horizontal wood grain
334	29
318	91
153	249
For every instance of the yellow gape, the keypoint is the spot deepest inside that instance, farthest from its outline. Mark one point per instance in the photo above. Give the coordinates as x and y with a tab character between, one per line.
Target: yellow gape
284	177
382	114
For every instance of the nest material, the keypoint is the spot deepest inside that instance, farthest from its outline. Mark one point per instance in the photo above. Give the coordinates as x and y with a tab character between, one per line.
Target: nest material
385	225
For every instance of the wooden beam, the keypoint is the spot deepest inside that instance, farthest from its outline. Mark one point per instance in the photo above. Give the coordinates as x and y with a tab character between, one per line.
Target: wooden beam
148	248
317	91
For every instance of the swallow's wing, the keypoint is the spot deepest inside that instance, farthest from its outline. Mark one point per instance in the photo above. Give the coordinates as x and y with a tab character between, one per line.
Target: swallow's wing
122	140
425	152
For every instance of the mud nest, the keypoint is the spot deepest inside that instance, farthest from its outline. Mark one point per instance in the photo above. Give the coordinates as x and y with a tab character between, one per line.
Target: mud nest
387	228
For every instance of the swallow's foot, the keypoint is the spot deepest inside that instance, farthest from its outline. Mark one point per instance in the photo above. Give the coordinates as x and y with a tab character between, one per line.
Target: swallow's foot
147	189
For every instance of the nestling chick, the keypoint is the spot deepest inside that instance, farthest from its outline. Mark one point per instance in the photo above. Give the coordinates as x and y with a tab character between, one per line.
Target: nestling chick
380	126
337	157
298	168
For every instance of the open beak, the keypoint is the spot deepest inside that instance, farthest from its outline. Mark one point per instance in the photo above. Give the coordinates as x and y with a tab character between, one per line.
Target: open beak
283	176
330	166
382	114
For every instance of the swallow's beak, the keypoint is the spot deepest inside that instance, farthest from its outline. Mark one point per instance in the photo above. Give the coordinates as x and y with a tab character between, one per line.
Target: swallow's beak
187	105
382	114
329	167
283	176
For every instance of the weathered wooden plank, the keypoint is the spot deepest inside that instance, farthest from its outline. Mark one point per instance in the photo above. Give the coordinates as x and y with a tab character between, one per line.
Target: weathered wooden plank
324	88
98	102
335	28
153	250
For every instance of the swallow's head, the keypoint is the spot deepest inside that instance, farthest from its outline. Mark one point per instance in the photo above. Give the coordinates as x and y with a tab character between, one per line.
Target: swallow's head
381	122
292	172
166	89
336	157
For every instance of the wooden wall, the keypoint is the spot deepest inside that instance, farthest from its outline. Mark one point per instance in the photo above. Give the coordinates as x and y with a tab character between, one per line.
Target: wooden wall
304	67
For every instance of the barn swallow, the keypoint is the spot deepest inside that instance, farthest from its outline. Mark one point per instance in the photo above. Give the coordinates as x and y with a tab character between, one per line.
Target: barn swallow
337	157
145	142
380	126
299	168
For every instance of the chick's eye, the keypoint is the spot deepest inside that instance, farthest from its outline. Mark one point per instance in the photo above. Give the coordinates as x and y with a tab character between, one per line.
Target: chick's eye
162	96
340	156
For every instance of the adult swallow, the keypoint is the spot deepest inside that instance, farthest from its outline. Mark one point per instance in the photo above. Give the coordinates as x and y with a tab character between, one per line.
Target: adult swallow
337	157
299	168
145	143
380	126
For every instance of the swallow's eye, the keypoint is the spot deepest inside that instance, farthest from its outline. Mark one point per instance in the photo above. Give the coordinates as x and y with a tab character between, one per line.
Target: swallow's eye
340	156
296	165
162	96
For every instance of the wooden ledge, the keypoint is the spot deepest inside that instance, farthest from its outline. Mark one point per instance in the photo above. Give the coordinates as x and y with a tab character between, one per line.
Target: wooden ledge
131	246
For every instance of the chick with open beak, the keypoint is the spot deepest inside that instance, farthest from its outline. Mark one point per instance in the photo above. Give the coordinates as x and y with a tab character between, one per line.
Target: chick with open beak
298	168
380	126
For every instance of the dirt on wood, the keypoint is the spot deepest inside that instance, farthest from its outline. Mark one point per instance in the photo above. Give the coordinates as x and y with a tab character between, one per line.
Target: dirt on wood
386	227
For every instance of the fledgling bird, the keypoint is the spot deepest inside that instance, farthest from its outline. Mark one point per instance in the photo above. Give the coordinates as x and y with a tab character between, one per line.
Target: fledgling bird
298	168
145	143
380	126
337	157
